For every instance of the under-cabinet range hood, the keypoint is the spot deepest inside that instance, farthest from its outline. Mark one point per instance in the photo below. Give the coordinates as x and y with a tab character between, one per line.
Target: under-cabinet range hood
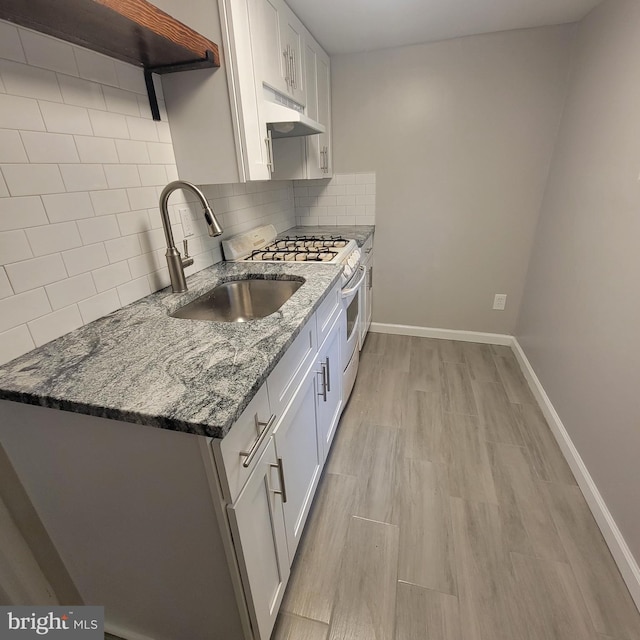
287	122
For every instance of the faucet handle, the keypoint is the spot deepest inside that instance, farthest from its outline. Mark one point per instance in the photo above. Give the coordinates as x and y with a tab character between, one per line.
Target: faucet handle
187	260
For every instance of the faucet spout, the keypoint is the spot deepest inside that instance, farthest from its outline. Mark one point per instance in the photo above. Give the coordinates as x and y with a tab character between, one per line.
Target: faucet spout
175	262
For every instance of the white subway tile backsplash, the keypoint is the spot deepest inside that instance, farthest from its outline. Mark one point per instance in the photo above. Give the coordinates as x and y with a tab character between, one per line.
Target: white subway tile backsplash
66	292
63	207
367	199
161	153
109	201
119	101
130	78
66	118
152	175
132	151
35	272
159	279
20	213
143	265
83	177
10	45
77	139
122	175
96	67
20	113
133	222
98	229
49	147
108	125
111	276
346	198
85	259
11	147
81	93
345	201
123	248
48	53
30	82
22	308
15	342
53	238
96	150
93	308
5	285
142	197
31	179
14	246
142	129
164	132
55	324
134	290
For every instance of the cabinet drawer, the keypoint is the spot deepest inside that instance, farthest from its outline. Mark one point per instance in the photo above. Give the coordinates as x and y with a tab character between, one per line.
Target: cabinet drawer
285	379
243	437
327	312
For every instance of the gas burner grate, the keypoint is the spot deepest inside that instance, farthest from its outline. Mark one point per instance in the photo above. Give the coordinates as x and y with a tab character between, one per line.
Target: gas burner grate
298	254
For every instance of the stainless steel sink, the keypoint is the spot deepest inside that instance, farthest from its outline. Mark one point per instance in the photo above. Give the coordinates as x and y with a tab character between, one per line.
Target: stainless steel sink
240	300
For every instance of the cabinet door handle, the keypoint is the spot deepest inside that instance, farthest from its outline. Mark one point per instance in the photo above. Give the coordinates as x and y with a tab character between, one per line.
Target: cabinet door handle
323	393
287	66
269	142
370	277
251	454
294	72
283	487
328	370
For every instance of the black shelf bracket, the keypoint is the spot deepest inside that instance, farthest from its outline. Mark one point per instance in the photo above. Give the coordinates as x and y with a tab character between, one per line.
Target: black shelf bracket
202	63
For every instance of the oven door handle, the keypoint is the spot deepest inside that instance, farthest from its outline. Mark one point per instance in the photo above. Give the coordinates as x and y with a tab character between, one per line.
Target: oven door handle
347	292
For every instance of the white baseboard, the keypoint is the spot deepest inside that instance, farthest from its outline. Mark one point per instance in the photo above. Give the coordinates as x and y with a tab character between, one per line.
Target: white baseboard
620	551
442	334
625	560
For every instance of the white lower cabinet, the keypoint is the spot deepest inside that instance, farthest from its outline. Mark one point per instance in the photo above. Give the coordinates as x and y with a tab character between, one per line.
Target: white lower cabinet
329	396
300	450
205	528
258	531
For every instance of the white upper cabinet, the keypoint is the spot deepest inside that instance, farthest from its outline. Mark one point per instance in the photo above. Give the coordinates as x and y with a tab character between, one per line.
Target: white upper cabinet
277	37
318	148
219	120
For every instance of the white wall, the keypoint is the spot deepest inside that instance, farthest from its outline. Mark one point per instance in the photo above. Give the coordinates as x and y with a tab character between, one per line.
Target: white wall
81	168
460	135
581	308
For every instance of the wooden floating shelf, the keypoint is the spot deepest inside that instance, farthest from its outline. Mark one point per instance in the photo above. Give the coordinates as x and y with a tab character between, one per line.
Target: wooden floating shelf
134	31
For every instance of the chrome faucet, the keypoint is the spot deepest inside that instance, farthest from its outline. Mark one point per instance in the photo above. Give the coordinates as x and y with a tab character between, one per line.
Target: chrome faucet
175	261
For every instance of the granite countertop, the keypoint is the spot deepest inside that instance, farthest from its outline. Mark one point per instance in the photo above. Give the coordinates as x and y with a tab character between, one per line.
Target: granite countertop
359	233
139	365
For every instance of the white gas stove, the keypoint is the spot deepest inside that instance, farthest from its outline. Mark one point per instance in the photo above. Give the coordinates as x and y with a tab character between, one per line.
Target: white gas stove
260	245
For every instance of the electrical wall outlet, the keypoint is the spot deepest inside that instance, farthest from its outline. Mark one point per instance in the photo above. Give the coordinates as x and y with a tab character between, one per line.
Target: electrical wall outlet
500	301
187	223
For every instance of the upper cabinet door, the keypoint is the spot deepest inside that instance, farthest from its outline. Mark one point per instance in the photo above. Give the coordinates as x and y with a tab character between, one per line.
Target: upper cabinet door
277	36
294	52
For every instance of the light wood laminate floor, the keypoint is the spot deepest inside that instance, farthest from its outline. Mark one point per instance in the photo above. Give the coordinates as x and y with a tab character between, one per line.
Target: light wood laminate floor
446	511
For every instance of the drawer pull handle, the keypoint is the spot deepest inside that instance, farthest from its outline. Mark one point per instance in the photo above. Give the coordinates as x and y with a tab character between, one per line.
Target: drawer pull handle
283	487
251	454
